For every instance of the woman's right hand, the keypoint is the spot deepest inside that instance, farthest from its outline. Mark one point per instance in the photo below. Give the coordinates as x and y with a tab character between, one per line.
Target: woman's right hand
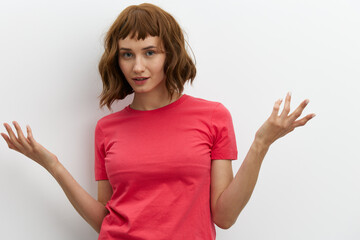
29	147
89	208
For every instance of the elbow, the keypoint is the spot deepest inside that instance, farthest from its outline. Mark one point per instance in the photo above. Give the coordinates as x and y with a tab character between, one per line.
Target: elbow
223	218
97	224
97	227
224	224
225	227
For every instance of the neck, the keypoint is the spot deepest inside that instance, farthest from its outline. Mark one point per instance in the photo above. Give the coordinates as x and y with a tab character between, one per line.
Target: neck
145	102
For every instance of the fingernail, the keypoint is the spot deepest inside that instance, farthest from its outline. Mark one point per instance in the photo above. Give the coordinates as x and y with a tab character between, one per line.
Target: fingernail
289	93
306	101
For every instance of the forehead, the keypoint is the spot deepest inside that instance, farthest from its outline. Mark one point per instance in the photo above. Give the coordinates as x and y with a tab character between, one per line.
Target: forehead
134	43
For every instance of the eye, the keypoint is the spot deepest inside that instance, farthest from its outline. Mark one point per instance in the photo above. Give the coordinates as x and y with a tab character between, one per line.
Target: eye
150	53
126	55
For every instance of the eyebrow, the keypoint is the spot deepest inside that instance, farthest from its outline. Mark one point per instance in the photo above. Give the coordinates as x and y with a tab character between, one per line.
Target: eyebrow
128	49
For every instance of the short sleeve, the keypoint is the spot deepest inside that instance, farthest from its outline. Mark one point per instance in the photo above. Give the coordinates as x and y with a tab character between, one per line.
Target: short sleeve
100	171
222	129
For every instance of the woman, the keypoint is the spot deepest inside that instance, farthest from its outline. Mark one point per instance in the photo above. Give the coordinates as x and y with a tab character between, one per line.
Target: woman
163	163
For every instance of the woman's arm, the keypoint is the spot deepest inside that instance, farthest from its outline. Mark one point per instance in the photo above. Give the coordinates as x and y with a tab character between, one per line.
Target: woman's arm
90	209
105	191
237	193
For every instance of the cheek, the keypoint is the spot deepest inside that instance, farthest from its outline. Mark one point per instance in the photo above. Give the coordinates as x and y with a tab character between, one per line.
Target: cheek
124	67
159	67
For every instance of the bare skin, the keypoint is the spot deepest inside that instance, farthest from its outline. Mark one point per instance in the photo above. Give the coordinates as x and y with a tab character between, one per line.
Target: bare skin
229	197
90	209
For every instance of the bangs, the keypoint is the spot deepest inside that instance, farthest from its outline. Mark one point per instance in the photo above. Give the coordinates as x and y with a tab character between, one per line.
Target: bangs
139	23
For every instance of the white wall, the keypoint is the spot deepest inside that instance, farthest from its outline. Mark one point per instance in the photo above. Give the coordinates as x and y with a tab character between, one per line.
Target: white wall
249	54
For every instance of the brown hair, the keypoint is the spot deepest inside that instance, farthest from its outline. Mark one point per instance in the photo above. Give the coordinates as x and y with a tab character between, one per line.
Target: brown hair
143	20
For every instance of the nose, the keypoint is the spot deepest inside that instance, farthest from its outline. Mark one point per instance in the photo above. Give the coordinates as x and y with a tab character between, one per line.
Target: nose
139	65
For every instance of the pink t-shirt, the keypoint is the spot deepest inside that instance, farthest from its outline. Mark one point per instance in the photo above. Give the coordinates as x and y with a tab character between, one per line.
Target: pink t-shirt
158	163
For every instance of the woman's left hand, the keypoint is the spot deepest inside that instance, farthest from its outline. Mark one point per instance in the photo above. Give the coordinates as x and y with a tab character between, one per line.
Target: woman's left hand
276	126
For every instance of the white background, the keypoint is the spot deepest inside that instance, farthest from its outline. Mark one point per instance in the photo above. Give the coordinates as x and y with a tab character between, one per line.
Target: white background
248	55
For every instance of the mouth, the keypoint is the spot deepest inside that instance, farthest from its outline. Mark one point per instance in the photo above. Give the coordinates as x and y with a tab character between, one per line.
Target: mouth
140	78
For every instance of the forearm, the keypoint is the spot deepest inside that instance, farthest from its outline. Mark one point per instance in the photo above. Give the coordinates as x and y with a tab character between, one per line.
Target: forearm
89	208
237	194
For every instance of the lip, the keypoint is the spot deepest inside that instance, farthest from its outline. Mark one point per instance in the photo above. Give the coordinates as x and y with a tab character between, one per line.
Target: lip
138	77
140	82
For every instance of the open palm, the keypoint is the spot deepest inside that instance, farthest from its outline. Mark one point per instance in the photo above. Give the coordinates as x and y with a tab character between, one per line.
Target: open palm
28	146
277	126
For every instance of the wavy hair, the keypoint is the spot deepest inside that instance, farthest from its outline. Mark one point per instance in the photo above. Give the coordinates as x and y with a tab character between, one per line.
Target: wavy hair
141	21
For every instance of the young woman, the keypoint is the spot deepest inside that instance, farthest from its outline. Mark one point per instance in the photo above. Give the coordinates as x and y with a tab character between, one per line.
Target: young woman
163	163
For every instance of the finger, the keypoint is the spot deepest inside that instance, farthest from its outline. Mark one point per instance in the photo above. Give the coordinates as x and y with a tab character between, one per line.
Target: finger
304	120
30	136
298	111
12	136
21	137
276	108
8	141
286	109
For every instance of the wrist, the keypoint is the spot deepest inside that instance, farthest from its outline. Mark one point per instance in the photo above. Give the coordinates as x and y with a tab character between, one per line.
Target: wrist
260	145
53	166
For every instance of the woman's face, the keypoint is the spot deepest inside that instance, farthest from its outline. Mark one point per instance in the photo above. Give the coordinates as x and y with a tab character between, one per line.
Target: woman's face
140	59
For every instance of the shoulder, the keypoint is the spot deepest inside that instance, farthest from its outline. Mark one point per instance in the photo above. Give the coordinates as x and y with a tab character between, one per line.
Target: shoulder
215	107
203	101
105	118
204	104
108	119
